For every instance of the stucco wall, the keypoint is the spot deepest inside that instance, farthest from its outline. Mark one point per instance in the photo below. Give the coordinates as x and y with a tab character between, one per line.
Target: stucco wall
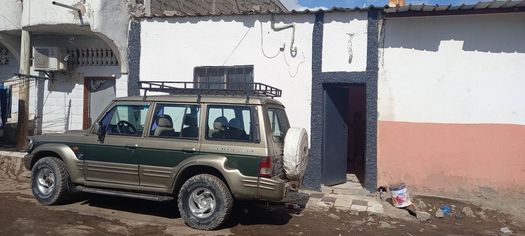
451	116
10	15
107	19
61	100
345	36
172	48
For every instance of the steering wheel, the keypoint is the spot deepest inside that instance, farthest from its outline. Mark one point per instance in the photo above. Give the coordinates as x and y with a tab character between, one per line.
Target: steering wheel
125	127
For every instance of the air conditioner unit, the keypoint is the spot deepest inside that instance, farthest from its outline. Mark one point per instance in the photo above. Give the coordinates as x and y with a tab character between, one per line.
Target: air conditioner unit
49	58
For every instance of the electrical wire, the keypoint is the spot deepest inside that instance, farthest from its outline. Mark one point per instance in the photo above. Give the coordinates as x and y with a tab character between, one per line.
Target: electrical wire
236	46
296	68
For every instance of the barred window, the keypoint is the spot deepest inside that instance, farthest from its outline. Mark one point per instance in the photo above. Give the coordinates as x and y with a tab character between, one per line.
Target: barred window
223	77
4	56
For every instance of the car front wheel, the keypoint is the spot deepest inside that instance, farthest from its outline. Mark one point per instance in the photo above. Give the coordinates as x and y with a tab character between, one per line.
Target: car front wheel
205	202
49	180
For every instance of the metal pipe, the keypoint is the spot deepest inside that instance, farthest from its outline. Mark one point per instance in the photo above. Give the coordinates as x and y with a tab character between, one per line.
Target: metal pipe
78	10
67	6
293	49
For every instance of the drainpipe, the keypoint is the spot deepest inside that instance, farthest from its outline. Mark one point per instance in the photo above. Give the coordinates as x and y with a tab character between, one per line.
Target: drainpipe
293	49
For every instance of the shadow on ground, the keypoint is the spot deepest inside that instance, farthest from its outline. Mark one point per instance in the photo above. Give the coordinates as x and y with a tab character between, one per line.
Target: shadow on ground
243	213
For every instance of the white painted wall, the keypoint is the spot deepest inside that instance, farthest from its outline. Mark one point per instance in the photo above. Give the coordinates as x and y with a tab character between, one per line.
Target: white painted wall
171	48
338	45
63	98
10	15
108	20
453	69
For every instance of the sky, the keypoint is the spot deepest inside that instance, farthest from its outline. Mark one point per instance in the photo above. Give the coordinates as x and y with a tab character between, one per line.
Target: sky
314	4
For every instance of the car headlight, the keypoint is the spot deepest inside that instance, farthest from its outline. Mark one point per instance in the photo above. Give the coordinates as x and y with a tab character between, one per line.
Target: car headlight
30	145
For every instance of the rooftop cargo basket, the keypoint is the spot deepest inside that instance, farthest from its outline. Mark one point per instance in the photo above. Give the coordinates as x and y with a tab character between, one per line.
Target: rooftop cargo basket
211	88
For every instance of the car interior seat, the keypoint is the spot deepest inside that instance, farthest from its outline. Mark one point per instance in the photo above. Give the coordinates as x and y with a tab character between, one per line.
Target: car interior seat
219	127
165	126
235	130
192	131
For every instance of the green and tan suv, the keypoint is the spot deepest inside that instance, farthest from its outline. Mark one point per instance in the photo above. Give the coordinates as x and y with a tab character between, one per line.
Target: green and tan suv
205	149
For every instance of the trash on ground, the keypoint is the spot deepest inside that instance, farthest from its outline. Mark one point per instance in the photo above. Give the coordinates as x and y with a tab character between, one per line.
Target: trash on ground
506	230
400	197
445	209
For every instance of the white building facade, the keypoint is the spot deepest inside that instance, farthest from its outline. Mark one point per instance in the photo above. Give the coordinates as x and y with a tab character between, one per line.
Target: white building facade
89	41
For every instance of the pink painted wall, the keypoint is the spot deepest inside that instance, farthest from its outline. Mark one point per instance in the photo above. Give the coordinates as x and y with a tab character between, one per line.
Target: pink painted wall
452	158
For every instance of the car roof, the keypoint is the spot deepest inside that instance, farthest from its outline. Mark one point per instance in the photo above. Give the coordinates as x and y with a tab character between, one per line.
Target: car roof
219	99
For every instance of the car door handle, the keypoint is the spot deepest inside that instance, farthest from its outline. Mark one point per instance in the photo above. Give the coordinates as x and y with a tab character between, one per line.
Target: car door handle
132	146
189	150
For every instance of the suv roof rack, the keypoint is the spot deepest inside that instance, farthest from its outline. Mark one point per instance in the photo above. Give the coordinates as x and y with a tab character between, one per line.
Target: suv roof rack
211	88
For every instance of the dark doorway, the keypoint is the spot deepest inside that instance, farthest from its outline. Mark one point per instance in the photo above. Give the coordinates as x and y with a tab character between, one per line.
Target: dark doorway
98	94
344	132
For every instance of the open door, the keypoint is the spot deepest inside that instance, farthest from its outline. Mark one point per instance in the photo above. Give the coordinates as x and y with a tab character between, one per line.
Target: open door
335	135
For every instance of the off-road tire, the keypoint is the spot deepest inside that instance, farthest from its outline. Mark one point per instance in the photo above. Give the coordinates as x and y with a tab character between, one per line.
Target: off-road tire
61	181
223	198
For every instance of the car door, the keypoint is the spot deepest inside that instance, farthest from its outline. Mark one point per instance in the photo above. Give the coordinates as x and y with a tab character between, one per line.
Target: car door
172	137
114	159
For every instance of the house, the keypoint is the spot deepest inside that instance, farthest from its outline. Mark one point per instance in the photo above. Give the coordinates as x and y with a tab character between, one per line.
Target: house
426	95
80	48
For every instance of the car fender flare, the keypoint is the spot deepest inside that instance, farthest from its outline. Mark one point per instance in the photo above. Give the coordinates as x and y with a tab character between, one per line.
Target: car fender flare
217	162
65	153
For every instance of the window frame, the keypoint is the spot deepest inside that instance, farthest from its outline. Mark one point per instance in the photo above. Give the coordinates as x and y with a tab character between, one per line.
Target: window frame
111	109
151	120
254	121
287	122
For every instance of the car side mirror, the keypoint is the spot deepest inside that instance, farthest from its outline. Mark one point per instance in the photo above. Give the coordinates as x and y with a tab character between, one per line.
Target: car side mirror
100	131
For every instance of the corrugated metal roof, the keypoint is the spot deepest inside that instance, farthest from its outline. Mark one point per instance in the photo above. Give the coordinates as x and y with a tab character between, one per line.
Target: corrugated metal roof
203	6
252	12
494	5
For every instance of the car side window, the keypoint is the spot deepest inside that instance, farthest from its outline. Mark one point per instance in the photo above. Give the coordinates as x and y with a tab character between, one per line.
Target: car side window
230	123
104	121
278	124
128	120
175	121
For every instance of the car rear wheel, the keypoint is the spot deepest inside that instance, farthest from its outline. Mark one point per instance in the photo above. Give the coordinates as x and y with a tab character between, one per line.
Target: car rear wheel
205	202
50	180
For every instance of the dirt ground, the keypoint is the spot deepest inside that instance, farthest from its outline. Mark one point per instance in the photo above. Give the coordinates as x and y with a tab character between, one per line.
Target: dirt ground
87	214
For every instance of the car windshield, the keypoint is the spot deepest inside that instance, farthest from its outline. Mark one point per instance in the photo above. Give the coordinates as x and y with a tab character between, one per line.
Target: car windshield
278	123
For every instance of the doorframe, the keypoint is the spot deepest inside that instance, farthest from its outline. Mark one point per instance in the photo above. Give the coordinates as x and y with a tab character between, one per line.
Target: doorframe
314	172
85	109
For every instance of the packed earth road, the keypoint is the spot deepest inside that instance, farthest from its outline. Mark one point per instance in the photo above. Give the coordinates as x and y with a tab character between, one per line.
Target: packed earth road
86	214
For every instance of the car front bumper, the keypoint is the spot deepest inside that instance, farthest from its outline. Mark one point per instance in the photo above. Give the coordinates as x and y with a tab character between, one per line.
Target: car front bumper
27	159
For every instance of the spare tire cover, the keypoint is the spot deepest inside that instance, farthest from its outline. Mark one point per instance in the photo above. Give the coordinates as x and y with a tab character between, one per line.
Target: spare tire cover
295	153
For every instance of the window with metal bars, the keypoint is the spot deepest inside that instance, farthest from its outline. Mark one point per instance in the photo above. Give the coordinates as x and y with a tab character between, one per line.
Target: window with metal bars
223	77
